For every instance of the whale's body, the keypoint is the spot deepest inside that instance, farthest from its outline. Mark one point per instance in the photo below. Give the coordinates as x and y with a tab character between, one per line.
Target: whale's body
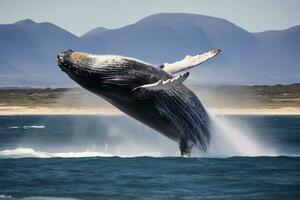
175	111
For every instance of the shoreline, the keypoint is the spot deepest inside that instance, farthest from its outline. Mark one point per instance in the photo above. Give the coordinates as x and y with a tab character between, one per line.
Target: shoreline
20	110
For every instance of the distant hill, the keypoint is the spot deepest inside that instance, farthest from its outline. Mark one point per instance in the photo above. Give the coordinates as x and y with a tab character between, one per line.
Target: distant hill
28	49
28	53
280	53
93	32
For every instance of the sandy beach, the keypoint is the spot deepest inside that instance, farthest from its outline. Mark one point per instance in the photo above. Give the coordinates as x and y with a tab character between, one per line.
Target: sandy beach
21	110
256	111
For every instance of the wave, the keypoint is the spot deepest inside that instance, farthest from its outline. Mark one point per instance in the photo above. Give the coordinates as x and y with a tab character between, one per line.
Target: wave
31	153
26	127
3	197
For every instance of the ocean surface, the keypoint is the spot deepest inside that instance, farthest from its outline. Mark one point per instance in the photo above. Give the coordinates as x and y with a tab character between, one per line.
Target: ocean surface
115	157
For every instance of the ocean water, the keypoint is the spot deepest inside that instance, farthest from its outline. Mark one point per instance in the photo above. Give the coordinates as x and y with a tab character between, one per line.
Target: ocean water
115	157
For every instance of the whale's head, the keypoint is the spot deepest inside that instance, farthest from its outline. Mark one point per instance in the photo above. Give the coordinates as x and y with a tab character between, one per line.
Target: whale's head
79	67
104	73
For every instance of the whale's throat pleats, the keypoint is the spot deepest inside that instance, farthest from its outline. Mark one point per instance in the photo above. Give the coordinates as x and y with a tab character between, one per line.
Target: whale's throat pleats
187	114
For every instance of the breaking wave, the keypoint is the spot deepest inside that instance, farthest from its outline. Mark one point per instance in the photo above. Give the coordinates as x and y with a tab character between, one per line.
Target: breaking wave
26	127
31	153
9	197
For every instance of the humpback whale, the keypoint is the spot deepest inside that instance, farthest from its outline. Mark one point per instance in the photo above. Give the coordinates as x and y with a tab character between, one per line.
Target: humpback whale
153	95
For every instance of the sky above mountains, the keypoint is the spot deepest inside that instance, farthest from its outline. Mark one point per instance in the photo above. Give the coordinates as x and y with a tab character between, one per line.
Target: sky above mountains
81	16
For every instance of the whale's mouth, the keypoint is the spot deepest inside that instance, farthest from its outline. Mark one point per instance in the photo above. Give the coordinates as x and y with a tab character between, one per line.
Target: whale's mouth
72	61
63	60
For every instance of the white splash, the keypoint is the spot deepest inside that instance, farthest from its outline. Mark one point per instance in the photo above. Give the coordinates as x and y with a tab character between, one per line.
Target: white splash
26	127
47	198
31	153
2	196
228	139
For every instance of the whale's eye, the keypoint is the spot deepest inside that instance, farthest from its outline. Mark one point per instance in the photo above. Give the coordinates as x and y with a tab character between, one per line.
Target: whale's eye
79	56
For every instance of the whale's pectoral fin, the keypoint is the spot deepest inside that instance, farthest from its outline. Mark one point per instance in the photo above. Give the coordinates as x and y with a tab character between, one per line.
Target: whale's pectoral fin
145	91
189	62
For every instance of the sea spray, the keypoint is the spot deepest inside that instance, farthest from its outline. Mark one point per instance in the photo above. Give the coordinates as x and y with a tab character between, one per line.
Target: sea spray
228	138
123	136
32	153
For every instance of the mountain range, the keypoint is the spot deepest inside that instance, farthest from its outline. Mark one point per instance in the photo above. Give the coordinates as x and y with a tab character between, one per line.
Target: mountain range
28	49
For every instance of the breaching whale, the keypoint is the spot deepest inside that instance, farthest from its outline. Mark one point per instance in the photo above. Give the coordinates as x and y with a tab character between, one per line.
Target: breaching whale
152	95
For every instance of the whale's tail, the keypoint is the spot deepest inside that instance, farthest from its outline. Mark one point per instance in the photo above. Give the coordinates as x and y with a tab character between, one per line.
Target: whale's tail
185	147
200	139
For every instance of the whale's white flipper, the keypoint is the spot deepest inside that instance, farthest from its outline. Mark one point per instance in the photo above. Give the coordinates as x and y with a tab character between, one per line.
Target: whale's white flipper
164	85
189	62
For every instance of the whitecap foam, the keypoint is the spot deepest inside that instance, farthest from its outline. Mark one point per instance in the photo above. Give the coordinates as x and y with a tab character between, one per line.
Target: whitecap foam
26	127
13	127
2	196
35	126
31	153
36	198
48	198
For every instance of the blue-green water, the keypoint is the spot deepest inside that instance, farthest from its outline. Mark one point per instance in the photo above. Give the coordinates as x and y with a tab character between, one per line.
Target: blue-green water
100	157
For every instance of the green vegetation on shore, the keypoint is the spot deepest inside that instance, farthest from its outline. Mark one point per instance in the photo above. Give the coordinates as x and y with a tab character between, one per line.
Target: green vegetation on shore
260	96
277	96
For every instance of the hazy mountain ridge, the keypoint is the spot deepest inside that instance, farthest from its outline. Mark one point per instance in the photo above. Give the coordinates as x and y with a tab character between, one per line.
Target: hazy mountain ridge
28	49
31	49
94	31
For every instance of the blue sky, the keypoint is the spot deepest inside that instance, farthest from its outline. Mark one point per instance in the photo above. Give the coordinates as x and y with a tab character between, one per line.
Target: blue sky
79	17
